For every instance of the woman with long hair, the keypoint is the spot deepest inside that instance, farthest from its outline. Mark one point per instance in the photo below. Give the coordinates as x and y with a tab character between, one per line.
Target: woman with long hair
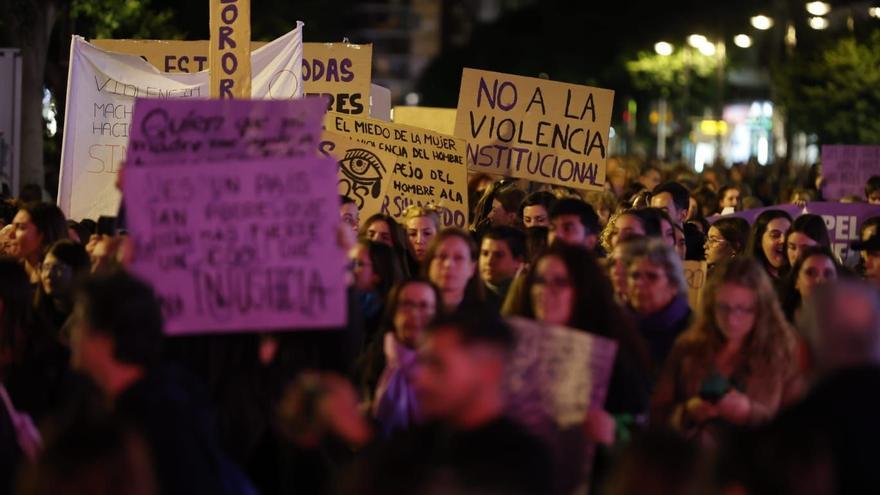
726	239
806	230
374	270
767	243
450	263
37	227
816	265
384	229
737	365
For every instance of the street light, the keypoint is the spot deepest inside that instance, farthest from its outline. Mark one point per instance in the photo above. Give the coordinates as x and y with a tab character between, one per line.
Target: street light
742	40
818	8
762	22
818	23
707	49
663	48
697	40
874	12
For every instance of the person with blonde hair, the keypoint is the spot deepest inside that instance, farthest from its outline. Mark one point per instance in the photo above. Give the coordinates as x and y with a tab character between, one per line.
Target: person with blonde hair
421	224
737	364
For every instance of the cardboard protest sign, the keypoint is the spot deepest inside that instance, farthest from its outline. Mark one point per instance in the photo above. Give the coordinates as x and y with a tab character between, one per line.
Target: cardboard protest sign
844	221
846	169
557	375
429	168
203	131
339	71
364	172
534	129
695	276
229	53
440	120
239	246
101	90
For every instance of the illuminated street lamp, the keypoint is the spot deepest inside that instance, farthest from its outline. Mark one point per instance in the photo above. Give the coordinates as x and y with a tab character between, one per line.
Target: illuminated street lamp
818	23
818	9
663	48
742	40
762	22
874	12
697	40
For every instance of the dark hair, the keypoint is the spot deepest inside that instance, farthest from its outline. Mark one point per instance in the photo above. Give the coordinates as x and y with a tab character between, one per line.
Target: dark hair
723	192
125	309
735	231
595	309
17	298
811	226
791	297
510	198
538	198
570	206
705	197
481	327
90	225
49	221
398	239
393	300
651	220
648	167
385	264
344	200
695	242
680	194
31	193
8	209
71	254
872	185
868	223
515	239
81	231
473	292
536	241
755	248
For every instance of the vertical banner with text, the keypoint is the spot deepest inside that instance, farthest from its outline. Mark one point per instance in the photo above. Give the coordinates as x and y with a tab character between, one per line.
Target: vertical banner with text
229	58
534	129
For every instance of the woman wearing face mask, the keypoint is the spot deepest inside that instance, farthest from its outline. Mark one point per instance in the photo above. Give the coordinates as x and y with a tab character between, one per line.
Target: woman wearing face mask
568	287
65	262
422	223
737	365
37	227
816	265
767	243
657	295
412	305
451	264
806	231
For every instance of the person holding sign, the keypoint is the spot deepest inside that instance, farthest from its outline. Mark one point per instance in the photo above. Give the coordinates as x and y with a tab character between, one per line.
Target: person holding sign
737	365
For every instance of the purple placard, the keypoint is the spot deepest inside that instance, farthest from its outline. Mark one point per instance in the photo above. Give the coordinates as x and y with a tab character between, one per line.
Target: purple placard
202	131
846	168
842	219
239	246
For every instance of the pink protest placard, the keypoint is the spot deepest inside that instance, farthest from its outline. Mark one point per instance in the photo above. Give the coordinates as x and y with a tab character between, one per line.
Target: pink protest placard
846	168
240	245
203	131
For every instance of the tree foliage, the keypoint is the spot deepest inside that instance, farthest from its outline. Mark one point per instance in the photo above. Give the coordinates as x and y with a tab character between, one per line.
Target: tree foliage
834	92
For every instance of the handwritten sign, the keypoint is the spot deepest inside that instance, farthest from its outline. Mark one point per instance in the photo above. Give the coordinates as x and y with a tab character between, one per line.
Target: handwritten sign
339	71
429	167
847	168
440	120
695	275
239	246
364	171
534	129
229	54
843	220
203	131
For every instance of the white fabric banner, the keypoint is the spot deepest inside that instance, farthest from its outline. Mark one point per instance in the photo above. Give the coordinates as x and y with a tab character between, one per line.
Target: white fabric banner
101	88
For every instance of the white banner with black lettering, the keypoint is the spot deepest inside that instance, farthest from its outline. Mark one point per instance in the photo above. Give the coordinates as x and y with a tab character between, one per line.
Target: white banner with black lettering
101	88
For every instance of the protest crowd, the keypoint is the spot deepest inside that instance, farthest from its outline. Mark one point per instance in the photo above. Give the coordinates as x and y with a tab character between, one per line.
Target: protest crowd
383	309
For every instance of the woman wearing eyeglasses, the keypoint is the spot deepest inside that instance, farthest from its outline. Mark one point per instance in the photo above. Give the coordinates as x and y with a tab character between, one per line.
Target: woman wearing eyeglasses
737	365
412	305
568	287
727	238
657	294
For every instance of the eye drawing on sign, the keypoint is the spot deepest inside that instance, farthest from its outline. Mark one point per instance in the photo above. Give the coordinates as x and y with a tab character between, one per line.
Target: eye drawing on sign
362	173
